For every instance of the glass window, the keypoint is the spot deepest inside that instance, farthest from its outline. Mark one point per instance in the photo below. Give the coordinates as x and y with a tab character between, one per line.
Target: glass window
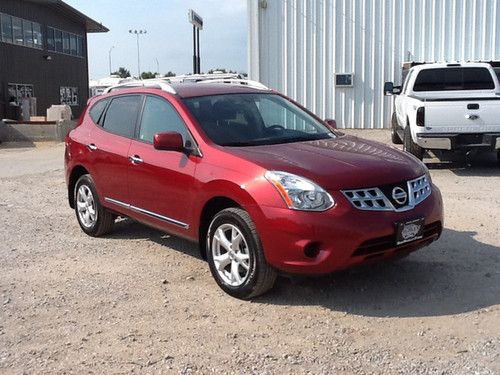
160	116
58	39
65	36
17	30
97	109
121	115
79	46
254	119
51	43
72	44
452	79
28	33
6	28
497	72
37	35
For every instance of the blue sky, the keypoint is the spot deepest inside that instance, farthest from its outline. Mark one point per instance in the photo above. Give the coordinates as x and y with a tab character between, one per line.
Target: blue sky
169	34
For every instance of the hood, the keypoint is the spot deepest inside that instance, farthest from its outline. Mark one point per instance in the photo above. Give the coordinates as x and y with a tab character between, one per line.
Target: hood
345	162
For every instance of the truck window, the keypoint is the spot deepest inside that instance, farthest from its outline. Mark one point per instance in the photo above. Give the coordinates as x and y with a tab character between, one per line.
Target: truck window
450	79
497	72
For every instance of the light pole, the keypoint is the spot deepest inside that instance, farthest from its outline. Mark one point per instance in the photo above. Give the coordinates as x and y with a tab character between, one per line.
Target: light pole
137	33
110	71
157	66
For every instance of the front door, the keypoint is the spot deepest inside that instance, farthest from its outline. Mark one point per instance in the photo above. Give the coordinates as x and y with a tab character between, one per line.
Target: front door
161	182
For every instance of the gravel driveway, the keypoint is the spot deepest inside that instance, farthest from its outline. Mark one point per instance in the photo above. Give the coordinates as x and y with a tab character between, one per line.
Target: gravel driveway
141	301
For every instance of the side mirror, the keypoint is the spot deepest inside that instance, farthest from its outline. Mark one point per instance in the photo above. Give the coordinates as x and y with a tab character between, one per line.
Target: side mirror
332	123
390	89
168	141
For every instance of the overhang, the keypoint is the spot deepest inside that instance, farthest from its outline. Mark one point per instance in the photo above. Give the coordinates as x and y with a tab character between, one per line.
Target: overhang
59	5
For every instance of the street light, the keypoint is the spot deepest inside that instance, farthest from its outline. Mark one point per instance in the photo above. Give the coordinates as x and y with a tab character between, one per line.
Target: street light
110	71
137	33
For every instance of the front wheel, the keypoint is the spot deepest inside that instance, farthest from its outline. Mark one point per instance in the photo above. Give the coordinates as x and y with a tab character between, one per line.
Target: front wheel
410	146
236	257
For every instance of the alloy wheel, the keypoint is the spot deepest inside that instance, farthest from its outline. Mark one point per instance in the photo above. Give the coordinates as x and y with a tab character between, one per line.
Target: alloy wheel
86	205
231	255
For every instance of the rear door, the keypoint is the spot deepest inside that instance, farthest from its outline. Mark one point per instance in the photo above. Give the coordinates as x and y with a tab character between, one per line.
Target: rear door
110	145
161	182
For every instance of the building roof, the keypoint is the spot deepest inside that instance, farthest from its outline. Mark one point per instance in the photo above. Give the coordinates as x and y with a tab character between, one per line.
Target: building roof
91	25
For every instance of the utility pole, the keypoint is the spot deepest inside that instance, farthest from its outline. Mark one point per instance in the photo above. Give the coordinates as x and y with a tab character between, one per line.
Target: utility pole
197	22
157	66
137	33
110	70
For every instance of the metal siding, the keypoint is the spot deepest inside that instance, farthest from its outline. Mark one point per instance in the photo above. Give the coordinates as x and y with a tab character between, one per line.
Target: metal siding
297	46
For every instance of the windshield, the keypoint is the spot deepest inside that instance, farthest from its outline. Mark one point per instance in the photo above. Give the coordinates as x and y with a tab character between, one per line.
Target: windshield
254	119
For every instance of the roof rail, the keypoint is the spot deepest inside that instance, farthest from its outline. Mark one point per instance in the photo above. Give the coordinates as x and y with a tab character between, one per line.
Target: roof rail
154	84
244	82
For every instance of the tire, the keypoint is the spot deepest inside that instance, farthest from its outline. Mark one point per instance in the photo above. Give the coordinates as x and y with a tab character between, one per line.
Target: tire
93	218
410	146
395	138
498	158
242	273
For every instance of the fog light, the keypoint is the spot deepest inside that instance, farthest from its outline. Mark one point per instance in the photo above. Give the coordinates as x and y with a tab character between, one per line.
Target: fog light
311	250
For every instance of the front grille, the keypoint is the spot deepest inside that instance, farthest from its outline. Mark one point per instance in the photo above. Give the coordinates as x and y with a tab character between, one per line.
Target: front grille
393	197
381	244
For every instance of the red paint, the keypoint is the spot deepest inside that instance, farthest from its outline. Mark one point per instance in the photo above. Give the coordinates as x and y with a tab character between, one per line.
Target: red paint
178	185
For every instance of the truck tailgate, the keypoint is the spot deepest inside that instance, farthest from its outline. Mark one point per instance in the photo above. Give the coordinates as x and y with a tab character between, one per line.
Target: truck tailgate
467	116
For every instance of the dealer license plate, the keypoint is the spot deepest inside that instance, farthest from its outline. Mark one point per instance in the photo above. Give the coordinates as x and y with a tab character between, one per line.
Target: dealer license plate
407	231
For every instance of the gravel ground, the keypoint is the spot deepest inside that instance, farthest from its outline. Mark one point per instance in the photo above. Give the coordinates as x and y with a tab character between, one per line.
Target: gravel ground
140	301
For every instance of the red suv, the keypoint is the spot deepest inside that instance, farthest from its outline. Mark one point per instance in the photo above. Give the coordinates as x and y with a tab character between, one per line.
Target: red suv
263	185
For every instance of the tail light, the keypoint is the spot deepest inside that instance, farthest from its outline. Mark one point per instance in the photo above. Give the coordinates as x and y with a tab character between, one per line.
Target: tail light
421	116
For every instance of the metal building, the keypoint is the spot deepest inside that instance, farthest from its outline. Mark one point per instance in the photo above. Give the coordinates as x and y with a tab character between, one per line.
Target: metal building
333	56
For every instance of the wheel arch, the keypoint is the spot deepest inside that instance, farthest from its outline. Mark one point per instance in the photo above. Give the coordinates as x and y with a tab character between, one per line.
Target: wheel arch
209	210
77	172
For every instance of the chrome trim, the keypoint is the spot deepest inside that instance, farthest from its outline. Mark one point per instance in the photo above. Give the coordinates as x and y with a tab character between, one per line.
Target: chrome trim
149	213
373	199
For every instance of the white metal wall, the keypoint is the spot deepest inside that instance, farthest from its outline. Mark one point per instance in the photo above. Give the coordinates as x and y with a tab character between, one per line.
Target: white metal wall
297	47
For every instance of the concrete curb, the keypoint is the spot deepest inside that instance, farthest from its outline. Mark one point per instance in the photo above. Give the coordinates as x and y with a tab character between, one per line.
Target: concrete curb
35	132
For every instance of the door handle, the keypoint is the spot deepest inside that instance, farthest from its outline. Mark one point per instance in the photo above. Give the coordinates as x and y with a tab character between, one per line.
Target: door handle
136	159
92	147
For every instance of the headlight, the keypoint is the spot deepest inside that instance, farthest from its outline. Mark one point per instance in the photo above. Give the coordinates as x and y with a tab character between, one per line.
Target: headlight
300	193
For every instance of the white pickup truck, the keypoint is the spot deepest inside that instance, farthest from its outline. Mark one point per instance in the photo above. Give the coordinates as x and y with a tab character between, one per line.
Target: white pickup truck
447	107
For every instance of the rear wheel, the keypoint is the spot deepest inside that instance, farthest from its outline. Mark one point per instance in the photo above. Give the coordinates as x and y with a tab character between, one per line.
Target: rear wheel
236	257
93	218
410	146
396	139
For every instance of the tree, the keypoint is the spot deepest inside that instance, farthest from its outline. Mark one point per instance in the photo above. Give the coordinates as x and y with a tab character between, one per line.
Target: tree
170	74
122	73
147	75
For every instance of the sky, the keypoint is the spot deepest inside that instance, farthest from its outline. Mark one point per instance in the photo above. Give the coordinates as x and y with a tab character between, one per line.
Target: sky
169	38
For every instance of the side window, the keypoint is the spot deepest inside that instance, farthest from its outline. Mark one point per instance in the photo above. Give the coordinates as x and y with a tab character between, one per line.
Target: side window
160	116
405	85
121	115
97	109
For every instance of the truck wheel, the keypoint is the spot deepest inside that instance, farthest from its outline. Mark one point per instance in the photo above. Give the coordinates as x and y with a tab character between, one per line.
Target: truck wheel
236	257
498	157
410	146
396	139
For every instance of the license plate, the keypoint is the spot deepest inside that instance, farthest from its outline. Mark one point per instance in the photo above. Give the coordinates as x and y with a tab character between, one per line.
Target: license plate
411	230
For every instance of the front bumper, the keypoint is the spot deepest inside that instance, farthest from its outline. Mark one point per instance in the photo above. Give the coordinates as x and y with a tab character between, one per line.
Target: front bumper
342	237
448	141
